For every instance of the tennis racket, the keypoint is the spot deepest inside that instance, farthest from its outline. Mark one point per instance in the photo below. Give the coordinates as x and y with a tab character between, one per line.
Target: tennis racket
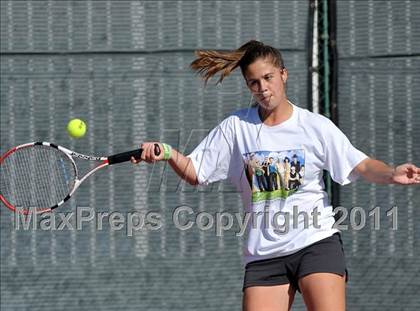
40	176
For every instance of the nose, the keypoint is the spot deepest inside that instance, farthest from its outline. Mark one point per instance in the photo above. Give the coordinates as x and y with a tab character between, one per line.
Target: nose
262	87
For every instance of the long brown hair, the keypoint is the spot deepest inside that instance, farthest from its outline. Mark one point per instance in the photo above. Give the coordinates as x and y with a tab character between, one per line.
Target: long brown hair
210	62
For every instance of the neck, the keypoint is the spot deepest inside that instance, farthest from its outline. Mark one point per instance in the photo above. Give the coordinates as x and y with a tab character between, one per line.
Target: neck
278	115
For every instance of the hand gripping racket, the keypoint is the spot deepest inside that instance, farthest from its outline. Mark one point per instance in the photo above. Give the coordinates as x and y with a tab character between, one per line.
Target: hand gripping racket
40	176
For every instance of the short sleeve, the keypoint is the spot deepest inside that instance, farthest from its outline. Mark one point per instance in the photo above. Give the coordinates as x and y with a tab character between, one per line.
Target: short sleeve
341	157
212	157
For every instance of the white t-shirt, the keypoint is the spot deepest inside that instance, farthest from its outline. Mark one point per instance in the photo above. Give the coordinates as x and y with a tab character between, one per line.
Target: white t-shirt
278	170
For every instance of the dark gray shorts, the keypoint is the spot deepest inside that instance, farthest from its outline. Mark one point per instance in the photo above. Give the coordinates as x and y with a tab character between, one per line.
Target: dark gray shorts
326	255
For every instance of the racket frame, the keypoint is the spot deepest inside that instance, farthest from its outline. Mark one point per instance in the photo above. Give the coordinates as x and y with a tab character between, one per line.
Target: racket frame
104	161
70	155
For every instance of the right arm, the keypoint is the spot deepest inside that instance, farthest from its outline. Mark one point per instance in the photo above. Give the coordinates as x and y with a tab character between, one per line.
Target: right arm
212	157
181	164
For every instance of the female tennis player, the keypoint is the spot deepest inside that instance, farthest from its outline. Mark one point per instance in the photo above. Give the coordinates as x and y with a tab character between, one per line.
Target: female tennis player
261	147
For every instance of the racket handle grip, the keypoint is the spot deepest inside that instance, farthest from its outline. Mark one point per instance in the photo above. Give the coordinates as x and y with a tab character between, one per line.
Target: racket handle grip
126	156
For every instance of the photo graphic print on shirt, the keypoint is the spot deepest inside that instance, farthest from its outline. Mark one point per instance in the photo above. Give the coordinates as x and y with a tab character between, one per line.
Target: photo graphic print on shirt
274	174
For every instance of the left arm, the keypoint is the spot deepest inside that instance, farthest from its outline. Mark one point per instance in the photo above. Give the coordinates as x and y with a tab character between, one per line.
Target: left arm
378	172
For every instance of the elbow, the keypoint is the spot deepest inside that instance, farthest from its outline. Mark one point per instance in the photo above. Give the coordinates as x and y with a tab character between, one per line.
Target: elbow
361	169
193	181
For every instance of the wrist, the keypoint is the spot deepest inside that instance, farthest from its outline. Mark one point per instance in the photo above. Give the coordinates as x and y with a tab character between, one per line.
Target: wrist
167	152
393	174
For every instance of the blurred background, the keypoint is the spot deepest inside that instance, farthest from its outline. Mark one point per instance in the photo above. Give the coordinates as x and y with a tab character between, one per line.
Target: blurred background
123	67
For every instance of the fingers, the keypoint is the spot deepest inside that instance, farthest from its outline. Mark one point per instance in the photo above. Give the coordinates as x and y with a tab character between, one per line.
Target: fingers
413	170
416	174
134	160
148	155
412	173
416	169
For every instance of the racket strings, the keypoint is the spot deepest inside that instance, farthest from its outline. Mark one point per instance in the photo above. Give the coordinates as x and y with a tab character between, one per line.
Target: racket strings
36	177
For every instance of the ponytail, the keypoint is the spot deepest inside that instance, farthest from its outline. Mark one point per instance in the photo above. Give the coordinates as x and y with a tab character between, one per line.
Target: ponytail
210	62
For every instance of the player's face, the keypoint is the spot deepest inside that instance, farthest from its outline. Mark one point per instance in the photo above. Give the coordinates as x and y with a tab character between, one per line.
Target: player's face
266	82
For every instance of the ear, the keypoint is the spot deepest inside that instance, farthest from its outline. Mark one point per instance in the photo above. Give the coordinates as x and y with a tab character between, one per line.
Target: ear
284	75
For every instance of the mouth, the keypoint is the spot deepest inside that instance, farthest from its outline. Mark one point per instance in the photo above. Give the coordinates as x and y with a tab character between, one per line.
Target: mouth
265	99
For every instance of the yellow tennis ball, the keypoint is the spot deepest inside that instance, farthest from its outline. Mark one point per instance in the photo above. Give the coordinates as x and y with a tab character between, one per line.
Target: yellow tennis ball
76	128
